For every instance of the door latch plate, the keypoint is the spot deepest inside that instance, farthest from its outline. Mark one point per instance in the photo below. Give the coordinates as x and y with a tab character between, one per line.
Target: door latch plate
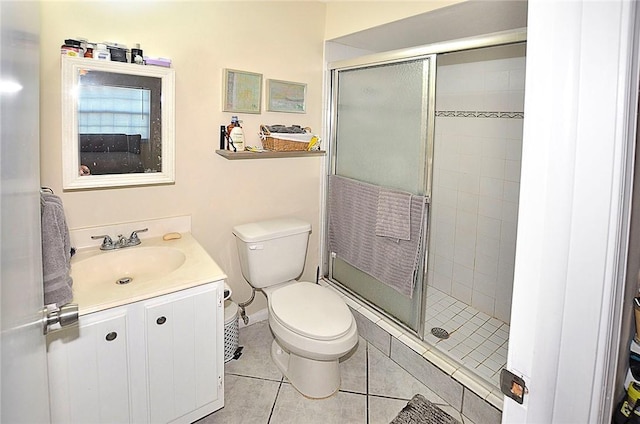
513	386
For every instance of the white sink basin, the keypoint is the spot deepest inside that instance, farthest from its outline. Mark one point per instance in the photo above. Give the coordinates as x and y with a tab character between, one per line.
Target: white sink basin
155	268
127	266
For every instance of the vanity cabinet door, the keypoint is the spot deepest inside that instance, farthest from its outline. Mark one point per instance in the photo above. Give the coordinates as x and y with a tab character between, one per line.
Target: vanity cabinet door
88	370
184	354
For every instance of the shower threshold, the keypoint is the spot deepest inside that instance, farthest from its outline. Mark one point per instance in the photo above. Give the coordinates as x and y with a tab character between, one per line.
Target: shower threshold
445	360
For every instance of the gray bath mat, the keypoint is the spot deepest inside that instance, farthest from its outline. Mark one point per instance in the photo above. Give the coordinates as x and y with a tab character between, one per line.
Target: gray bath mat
421	411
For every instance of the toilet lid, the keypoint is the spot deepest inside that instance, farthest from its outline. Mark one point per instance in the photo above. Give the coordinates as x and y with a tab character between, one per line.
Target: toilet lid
311	310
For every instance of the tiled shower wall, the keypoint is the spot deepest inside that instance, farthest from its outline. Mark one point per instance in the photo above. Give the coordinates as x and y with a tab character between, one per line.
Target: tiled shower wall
476	181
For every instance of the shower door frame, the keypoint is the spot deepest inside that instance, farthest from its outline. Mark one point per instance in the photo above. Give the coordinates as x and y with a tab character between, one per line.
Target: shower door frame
397	56
427	139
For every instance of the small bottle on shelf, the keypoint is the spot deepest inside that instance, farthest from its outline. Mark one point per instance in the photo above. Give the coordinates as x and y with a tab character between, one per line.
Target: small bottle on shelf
235	135
89	52
223	137
101	52
71	48
136	55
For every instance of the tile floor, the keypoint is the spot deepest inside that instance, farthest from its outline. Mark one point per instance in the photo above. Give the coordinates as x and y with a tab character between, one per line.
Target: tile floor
374	388
476	340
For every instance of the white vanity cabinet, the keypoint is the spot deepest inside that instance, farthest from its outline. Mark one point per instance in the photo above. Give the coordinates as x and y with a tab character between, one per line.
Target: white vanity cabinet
88	370
158	360
181	355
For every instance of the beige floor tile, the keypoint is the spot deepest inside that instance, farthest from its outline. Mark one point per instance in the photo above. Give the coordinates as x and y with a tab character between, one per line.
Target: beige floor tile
451	411
255	392
353	369
383	410
247	400
386	378
292	407
255	360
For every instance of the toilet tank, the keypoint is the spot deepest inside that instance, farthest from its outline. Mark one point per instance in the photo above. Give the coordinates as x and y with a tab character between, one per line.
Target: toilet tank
272	252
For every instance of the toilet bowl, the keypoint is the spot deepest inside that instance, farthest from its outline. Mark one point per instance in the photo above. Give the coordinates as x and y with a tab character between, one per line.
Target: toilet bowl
312	326
313	329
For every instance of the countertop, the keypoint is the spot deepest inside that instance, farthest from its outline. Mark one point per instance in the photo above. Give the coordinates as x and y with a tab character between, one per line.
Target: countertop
198	268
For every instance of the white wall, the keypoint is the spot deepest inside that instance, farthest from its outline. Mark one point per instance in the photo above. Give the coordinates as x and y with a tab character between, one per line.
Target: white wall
477	177
346	17
196	37
281	40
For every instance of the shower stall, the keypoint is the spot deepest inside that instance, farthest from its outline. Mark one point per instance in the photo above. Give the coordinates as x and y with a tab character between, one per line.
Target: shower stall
443	123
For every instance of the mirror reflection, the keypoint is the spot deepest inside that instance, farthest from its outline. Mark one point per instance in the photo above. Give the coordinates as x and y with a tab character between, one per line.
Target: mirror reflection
119	123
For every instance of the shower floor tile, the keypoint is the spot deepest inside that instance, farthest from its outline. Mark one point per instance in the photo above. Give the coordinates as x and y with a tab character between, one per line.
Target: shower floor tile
475	339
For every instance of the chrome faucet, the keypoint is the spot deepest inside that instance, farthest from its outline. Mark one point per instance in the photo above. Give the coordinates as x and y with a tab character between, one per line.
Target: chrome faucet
107	243
122	242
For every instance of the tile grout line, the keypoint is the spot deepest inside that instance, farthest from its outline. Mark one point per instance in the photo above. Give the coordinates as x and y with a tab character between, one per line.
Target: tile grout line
255	378
366	374
403	399
275	400
464	392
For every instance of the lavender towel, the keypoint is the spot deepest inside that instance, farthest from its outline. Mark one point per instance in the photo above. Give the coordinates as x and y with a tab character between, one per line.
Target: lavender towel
56	251
393	215
352	234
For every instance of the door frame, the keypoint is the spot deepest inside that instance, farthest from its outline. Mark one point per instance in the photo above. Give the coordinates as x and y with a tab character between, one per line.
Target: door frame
577	165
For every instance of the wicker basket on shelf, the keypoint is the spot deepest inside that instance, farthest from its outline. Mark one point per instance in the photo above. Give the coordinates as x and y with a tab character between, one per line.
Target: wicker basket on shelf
270	141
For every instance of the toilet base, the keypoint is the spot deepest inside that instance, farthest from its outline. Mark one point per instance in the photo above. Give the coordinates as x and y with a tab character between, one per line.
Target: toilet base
314	379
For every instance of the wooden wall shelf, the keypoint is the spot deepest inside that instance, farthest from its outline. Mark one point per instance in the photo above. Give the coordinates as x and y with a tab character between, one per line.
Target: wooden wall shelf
268	155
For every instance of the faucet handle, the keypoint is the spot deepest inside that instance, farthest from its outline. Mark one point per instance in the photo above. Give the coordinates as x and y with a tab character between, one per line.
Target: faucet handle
107	243
134	239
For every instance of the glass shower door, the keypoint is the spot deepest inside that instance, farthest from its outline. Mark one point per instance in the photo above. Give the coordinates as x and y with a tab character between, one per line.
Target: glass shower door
382	124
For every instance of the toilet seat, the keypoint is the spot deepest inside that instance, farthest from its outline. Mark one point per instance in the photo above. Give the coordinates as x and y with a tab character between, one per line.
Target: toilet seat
311	311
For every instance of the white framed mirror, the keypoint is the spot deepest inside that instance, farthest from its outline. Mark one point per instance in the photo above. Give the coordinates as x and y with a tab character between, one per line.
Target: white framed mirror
118	124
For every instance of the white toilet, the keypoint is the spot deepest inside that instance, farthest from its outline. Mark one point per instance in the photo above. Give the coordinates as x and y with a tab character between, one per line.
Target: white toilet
312	325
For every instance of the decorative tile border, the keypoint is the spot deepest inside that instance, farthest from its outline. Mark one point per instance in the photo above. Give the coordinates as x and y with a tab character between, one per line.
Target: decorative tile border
478	114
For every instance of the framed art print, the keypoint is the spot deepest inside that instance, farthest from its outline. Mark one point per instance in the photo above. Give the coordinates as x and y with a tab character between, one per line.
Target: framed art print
242	91
286	96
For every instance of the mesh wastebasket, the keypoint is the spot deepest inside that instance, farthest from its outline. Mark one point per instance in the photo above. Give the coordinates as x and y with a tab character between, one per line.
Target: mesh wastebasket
230	329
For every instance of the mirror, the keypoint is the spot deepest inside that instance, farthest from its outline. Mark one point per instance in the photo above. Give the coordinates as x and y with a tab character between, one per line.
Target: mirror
117	124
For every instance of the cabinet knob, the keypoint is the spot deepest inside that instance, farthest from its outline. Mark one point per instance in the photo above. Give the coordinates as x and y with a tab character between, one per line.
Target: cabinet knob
161	320
111	336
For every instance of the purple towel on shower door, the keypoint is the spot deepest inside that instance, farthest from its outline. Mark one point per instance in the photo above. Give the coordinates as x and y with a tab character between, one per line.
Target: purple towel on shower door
353	208
393	216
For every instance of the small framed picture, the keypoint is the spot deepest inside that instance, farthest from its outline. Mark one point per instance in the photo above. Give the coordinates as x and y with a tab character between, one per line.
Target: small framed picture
242	91
286	96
